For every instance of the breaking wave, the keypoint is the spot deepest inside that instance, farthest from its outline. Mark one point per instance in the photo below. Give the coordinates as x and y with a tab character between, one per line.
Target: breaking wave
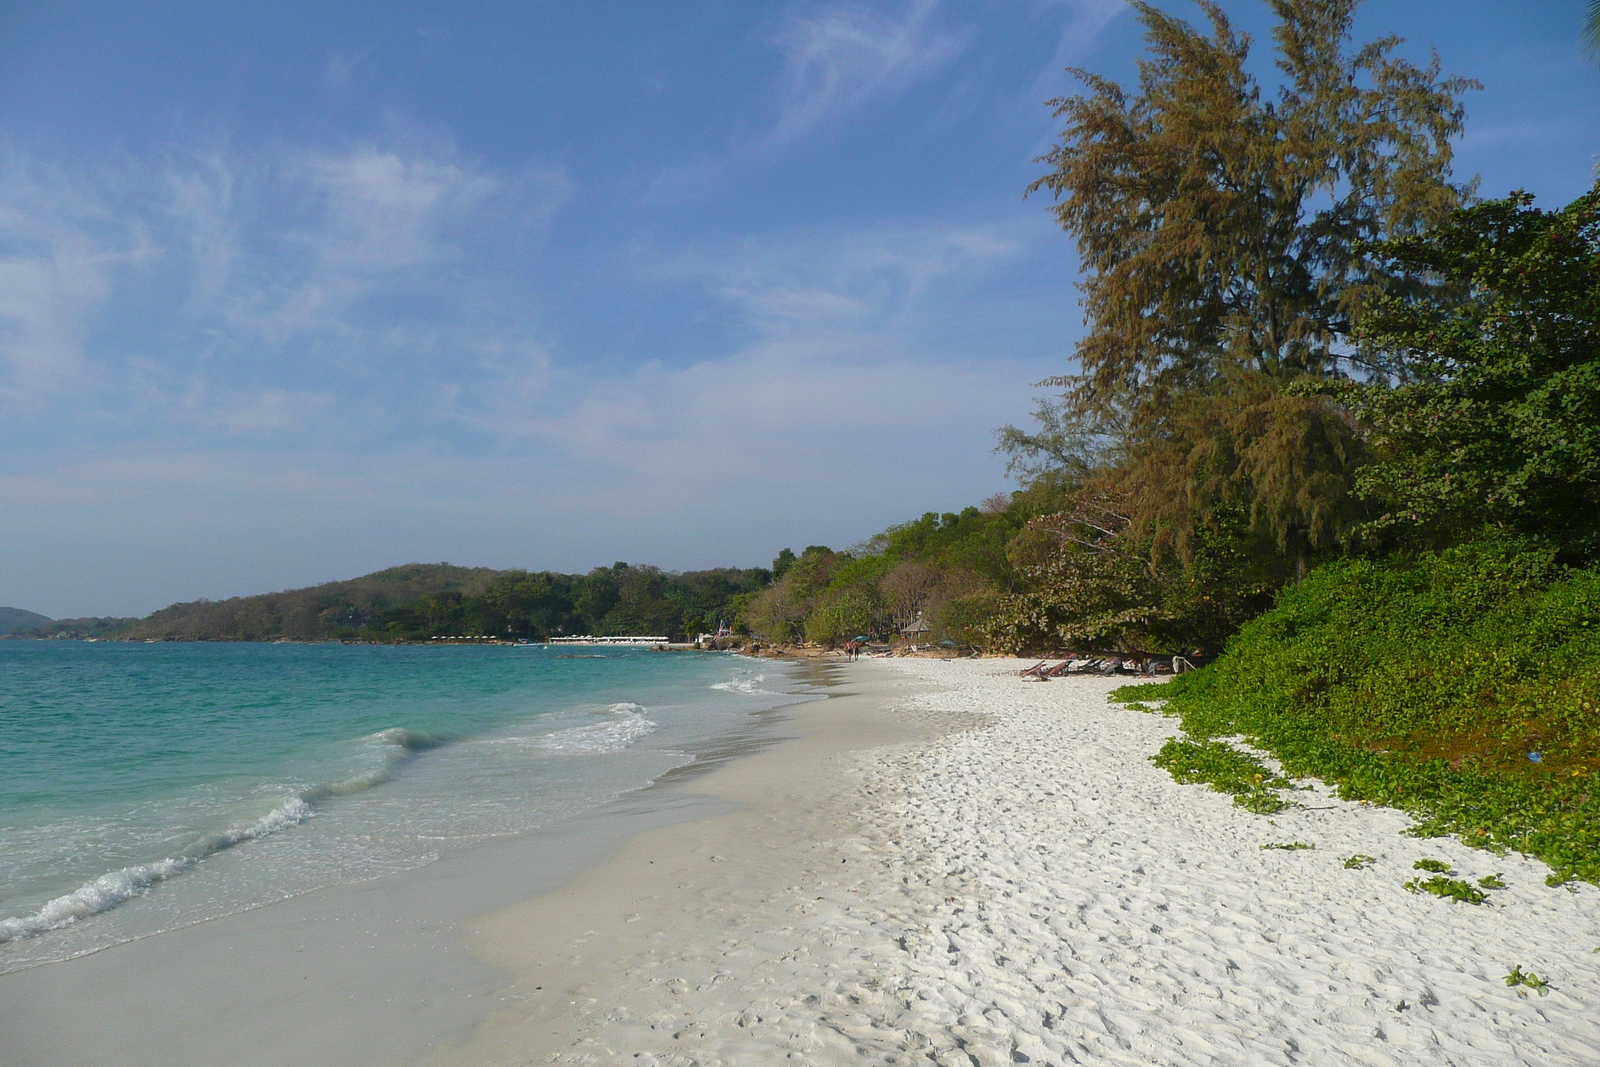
599	738
393	747
743	683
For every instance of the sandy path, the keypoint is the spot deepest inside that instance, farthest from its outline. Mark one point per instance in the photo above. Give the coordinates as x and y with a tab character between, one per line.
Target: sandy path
1034	890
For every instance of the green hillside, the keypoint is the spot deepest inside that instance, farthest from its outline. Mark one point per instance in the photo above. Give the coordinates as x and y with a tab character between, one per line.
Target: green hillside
13	619
318	613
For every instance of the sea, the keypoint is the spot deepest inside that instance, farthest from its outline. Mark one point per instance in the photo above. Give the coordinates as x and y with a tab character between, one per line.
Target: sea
145	787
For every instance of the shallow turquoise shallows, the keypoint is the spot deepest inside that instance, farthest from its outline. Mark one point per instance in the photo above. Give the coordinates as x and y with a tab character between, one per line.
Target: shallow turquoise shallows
144	786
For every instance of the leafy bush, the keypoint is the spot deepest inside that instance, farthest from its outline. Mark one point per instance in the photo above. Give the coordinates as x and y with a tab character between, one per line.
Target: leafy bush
1429	683
1519	977
841	615
1226	770
1454	888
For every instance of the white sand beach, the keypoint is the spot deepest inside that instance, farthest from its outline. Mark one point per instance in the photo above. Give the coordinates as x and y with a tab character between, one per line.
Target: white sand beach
957	866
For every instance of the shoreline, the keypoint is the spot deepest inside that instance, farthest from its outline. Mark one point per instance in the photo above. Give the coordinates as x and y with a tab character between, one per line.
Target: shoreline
597	962
940	863
357	974
1029	890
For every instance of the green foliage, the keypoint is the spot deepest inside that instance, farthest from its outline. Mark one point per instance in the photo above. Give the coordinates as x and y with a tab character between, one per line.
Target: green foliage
1224	769
1359	862
948	570
1454	888
332	610
1098	588
15	619
1433	866
1425	682
1223	230
1288	846
1492	881
418	602
96	627
780	565
1496	414
840	615
1519	977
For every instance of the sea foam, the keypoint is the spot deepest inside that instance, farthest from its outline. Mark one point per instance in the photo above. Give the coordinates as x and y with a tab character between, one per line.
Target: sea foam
391	747
599	738
743	683
115	887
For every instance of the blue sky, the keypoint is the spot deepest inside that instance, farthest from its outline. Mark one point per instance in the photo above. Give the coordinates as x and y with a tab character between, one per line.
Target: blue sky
293	291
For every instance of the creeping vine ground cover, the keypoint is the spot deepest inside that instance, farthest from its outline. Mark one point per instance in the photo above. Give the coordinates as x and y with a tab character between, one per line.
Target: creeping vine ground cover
1462	686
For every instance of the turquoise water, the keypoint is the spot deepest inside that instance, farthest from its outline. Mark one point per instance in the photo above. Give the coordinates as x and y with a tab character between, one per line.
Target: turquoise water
144	786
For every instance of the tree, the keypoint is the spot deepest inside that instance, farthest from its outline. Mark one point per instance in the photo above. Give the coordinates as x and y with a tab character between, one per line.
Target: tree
1591	27
1221	231
1493	414
1096	588
908	588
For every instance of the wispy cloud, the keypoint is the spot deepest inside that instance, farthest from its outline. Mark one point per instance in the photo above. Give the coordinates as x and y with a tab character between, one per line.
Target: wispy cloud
1078	25
342	65
836	58
63	242
825	279
234	293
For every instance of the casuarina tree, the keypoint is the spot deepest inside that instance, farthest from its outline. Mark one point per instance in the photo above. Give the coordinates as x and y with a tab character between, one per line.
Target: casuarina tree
1222	227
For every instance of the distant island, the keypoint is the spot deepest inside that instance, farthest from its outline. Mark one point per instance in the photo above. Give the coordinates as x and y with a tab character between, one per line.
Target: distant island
944	574
421	601
14	619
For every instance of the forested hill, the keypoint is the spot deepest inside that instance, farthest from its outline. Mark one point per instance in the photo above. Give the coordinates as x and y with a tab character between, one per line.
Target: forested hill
318	613
419	601
18	619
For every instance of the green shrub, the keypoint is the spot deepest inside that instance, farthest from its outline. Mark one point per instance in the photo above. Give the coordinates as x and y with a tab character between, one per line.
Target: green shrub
1454	888
1225	769
1461	686
1519	977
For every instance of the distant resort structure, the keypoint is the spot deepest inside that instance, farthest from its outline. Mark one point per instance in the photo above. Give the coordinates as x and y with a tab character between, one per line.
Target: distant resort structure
587	640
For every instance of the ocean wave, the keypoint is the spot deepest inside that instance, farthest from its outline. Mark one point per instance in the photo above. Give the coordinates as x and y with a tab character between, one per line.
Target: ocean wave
394	747
115	887
625	709
744	683
598	738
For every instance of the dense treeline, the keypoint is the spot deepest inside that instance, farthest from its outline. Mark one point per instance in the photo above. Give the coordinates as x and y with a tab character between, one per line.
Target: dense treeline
615	600
1304	341
1338	415
421	601
1231	236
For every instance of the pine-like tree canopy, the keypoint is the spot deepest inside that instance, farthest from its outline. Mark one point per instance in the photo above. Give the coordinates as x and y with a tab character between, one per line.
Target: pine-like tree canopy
1222	229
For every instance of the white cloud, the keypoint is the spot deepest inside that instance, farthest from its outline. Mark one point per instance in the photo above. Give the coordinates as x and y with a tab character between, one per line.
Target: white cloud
62	245
838	57
341	66
384	211
1084	22
854	279
236	293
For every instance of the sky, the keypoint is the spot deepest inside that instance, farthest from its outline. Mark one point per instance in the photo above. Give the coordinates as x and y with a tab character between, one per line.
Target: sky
291	292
